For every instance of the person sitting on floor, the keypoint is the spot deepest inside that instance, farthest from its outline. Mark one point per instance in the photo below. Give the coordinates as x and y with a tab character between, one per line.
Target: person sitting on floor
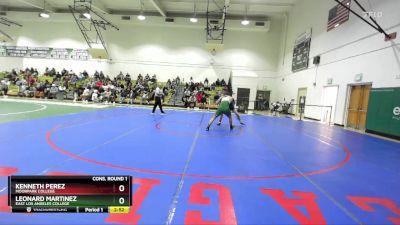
145	98
53	91
95	96
123	93
85	95
4	87
192	101
185	98
106	96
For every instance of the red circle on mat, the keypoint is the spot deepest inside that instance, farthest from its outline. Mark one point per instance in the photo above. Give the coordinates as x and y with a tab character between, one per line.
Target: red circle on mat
76	156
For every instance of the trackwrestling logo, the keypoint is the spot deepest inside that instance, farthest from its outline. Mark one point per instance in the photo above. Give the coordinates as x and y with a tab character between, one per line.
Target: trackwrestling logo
396	113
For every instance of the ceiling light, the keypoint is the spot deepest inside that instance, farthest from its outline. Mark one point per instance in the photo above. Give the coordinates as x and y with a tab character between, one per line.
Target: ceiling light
194	19
245	22
87	15
141	17
44	15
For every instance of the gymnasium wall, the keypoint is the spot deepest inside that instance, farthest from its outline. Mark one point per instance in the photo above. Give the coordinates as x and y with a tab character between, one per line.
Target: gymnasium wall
350	49
155	48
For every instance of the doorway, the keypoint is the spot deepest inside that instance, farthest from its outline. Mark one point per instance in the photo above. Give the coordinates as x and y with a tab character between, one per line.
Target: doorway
301	94
358	106
329	98
262	100
243	98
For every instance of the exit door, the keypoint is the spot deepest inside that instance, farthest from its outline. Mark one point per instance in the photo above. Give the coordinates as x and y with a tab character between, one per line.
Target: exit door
243	98
262	100
301	95
329	98
358	105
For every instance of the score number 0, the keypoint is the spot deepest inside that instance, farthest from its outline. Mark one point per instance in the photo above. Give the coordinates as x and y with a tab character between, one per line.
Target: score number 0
121	188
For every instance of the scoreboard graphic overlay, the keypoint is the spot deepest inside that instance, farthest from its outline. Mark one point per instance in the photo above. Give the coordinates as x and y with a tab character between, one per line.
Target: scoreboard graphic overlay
75	194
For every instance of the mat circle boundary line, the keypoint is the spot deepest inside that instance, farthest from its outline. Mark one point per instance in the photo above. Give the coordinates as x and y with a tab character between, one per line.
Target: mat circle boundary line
50	142
43	107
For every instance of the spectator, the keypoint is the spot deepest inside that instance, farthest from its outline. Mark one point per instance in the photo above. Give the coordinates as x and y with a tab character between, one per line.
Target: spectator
223	82
145	98
154	78
128	78
4	87
192	101
147	78
95	96
199	96
120	76
123	94
22	90
53	91
96	75
107	96
185	98
213	86
168	84
206	85
132	96
85	95
35	72
85	74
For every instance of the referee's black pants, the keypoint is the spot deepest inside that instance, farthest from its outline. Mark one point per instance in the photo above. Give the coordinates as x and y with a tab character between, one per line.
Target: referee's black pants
157	102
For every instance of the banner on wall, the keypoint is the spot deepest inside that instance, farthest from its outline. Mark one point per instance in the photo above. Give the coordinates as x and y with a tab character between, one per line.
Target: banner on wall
383	114
44	52
301	51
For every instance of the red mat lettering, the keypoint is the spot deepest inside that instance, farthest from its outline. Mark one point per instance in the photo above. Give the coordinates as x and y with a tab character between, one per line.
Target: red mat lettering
137	199
7	171
4	204
364	203
306	199
4	172
227	211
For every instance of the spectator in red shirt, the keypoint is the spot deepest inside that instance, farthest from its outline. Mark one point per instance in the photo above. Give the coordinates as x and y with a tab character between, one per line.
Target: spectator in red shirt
199	96
31	80
99	84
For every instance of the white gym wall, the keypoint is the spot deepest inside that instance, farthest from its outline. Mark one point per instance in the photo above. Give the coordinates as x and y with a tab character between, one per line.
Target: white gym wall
155	48
350	49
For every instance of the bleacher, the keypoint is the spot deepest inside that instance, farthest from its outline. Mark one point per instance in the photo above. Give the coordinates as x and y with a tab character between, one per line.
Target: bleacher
172	99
